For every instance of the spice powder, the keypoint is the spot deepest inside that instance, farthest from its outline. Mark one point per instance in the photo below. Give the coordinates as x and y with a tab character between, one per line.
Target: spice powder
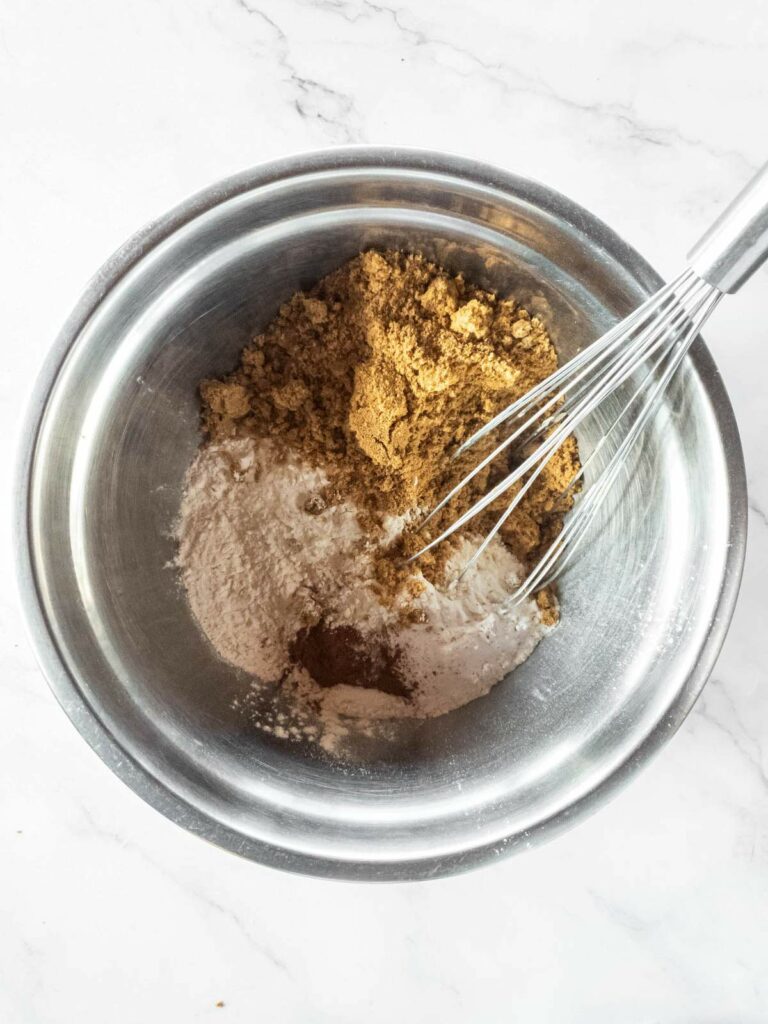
378	374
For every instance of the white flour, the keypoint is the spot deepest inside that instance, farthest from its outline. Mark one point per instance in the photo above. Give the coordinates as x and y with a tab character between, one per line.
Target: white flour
260	562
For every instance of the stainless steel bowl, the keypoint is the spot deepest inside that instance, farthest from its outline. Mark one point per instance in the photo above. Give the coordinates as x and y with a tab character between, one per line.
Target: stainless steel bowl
114	424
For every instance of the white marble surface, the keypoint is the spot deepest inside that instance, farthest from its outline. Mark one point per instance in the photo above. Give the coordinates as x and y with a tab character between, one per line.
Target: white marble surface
652	911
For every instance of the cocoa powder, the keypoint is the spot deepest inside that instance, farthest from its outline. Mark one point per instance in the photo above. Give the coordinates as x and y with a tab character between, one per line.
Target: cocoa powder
341	655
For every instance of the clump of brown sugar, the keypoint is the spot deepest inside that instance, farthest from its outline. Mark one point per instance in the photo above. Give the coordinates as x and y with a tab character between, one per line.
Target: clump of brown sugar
378	374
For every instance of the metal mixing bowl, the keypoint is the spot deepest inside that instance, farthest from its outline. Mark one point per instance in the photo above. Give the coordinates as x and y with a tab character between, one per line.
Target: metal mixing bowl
114	423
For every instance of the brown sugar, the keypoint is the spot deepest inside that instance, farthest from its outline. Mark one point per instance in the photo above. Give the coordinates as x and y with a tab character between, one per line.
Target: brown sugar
378	374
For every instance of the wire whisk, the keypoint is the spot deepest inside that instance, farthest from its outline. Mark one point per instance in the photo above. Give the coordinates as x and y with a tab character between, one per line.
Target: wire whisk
644	350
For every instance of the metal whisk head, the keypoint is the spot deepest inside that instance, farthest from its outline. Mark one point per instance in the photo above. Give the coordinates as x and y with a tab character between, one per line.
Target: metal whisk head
650	343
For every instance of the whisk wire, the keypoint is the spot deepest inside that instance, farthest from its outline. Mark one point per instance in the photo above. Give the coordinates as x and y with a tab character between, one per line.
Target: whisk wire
660	332
589	355
565	545
625	362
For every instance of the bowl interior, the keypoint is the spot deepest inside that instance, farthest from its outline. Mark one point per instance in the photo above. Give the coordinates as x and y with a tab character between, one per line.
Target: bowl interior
121	426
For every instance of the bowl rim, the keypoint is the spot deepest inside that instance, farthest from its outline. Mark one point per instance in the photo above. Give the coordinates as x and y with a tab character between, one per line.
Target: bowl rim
64	685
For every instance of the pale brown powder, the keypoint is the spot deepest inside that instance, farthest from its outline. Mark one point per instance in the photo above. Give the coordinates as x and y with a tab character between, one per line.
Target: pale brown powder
377	374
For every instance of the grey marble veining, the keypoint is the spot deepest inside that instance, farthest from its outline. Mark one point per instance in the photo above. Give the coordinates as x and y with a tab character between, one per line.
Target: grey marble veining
653	910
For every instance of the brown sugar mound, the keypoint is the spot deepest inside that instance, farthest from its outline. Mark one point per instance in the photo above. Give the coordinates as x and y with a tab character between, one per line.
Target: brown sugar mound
378	374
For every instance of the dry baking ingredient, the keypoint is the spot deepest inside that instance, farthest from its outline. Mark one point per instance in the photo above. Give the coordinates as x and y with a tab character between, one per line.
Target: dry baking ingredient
326	446
289	594
377	374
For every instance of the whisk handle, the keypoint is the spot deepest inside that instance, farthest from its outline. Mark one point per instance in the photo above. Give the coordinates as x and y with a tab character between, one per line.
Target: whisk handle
737	243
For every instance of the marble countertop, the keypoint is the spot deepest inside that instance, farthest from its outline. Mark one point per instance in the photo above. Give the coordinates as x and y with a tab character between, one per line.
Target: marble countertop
652	910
